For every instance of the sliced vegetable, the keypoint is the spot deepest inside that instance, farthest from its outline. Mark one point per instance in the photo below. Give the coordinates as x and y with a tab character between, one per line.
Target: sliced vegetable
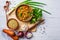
28	35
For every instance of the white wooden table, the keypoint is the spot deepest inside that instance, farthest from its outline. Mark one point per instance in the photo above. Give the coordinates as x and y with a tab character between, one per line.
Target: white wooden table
52	22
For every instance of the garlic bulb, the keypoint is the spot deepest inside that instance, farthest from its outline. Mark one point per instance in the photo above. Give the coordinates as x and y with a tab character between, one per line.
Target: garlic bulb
24	27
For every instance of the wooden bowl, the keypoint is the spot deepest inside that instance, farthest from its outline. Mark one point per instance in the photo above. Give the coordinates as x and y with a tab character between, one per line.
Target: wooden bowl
12	23
29	18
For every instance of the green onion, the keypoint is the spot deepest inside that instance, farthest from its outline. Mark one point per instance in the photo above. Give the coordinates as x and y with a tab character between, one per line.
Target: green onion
42	10
26	2
34	4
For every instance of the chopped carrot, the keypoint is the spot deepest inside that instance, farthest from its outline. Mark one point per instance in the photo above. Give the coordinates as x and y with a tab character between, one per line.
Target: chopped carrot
18	10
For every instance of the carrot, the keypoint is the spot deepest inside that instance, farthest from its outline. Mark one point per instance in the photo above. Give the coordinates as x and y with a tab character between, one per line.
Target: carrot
15	37
18	11
9	32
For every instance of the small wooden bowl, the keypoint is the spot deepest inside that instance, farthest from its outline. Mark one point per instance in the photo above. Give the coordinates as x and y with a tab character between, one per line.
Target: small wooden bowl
13	24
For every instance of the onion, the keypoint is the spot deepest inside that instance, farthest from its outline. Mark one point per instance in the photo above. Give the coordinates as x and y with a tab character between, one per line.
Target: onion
28	35
20	34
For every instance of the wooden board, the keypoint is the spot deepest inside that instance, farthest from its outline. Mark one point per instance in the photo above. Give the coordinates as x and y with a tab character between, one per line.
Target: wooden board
31	27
